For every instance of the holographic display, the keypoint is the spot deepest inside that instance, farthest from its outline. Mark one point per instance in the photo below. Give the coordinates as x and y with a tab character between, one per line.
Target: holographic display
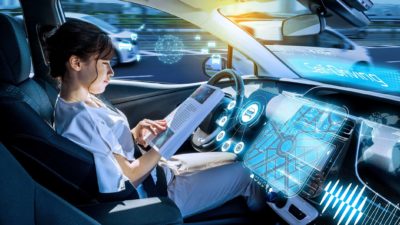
347	73
169	48
287	152
348	201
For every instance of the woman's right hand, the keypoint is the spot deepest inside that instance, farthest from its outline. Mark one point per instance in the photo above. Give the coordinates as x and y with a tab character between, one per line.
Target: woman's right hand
145	126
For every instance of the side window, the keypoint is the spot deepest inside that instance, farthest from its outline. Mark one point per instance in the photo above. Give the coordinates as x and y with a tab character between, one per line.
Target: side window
150	45
330	40
10	7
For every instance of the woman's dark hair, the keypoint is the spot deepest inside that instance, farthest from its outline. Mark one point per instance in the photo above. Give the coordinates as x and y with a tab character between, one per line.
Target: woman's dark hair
76	38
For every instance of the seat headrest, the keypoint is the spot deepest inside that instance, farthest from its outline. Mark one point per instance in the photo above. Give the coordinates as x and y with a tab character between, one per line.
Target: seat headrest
15	57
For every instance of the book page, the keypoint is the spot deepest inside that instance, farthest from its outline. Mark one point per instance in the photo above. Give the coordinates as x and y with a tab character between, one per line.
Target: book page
183	120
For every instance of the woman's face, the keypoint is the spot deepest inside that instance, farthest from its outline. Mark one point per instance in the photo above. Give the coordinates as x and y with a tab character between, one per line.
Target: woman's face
100	71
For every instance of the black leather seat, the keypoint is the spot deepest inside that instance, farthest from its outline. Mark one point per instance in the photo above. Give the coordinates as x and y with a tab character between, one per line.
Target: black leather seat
26	127
24	201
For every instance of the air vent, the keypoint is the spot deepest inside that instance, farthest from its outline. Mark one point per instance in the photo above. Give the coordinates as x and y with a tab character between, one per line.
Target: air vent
347	129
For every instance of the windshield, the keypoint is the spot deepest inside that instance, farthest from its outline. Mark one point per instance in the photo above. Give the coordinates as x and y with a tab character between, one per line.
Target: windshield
103	25
358	57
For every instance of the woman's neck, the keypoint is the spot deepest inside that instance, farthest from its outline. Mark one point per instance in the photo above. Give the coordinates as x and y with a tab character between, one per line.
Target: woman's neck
73	92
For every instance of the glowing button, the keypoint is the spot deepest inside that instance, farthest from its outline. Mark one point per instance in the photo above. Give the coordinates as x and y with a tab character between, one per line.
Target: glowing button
222	121
249	113
220	135
226	146
231	105
238	148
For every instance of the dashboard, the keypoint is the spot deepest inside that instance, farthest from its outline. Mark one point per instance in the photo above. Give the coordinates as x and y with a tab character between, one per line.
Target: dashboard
324	157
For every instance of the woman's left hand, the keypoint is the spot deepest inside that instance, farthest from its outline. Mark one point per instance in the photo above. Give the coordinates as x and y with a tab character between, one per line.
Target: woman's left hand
146	125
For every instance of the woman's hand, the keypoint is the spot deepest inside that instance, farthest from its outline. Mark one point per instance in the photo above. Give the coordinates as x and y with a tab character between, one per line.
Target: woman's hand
146	125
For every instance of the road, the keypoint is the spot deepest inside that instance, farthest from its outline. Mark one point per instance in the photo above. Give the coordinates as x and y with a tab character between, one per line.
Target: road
188	68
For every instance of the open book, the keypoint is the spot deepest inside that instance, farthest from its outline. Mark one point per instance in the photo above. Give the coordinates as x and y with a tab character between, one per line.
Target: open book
183	120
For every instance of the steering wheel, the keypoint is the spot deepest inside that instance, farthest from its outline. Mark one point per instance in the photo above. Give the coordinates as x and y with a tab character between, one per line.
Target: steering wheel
223	117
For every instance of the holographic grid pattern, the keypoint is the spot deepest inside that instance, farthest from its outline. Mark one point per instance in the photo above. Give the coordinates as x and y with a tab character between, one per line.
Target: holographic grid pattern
169	48
285	156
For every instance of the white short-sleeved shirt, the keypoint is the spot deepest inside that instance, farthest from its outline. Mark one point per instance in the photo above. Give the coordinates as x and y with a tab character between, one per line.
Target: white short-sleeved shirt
101	131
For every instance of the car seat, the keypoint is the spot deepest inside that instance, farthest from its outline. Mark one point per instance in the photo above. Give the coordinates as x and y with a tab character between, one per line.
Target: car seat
24	201
26	117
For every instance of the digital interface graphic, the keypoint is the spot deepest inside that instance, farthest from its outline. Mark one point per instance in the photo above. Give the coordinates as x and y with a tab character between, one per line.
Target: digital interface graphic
286	155
169	48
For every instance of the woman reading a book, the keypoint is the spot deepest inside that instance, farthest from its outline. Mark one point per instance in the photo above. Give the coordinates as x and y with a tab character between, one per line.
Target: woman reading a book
79	55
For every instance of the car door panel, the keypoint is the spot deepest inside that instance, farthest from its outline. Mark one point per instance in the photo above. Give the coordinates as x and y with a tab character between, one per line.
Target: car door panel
143	100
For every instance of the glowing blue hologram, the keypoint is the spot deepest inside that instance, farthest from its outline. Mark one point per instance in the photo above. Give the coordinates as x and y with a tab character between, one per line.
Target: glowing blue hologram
238	148
220	136
351	200
250	113
125	46
223	121
138	57
134	36
346	73
226	146
169	48
231	105
286	153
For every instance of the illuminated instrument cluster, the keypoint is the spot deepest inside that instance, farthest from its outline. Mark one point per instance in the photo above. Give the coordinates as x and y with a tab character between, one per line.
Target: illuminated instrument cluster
285	139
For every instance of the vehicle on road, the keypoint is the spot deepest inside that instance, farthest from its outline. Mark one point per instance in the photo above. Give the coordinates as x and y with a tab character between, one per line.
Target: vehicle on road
125	43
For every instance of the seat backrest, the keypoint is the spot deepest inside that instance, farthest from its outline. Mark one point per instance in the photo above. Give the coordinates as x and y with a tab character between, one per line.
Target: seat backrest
23	201
26	127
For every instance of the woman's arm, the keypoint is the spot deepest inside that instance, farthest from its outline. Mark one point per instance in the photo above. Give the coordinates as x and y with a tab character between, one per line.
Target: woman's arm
138	170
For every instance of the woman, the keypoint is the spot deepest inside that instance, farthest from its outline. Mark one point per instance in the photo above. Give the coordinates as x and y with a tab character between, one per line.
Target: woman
79	55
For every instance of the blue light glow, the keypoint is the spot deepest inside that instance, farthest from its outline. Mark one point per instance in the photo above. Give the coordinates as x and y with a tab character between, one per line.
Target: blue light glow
238	148
231	105
134	37
169	48
223	121
250	113
349	203
347	74
226	146
220	136
286	152
124	46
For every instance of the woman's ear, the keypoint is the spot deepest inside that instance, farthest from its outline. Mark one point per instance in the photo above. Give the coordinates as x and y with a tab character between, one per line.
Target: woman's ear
75	63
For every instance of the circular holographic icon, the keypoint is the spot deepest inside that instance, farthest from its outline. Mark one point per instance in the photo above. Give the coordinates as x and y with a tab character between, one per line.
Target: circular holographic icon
231	105
249	113
220	135
225	147
169	48
222	121
238	148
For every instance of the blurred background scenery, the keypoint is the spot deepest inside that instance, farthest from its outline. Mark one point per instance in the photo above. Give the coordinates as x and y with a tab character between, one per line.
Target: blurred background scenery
141	33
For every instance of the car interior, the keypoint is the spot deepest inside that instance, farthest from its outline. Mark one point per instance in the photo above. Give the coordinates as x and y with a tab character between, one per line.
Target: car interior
64	167
47	179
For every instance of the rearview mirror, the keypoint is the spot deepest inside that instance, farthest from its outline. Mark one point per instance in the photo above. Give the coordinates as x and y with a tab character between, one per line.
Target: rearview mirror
213	64
303	25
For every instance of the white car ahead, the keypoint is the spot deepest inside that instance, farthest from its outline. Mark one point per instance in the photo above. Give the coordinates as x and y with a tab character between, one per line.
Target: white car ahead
125	42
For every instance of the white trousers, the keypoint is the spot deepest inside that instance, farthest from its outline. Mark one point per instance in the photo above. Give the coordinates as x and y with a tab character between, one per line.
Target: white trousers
203	190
